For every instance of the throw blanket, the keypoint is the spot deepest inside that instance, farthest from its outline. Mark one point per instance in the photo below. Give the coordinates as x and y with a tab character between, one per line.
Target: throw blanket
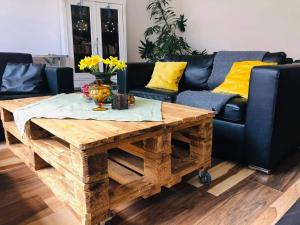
204	99
223	62
74	106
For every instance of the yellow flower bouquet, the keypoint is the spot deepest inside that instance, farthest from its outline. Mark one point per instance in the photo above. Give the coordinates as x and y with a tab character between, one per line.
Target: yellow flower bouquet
110	65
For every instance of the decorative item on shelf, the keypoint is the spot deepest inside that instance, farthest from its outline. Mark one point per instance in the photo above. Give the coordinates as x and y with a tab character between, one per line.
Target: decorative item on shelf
99	93
110	66
120	101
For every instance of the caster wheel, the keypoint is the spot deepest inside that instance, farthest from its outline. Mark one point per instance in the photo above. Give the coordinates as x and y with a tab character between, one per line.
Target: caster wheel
205	178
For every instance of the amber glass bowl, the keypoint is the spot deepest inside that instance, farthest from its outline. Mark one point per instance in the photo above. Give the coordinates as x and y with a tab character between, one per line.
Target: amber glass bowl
99	93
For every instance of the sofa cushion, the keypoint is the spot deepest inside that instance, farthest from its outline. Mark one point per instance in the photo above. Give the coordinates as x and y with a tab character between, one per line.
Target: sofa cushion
158	94
24	78
234	111
167	75
238	79
197	72
12	58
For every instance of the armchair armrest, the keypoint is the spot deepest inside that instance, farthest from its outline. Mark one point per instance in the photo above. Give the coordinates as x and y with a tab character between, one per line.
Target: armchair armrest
297	61
60	79
272	121
136	75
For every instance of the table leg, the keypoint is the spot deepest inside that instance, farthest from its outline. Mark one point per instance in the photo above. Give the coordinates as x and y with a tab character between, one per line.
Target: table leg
157	162
201	143
96	202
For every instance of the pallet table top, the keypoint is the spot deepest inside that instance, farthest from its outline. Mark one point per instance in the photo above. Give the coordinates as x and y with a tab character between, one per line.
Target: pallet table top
84	134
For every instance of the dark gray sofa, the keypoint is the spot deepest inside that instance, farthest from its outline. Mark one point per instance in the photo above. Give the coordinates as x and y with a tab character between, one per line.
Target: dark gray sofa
260	131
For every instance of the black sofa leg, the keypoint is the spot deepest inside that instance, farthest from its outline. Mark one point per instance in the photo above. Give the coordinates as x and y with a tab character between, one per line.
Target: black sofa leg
257	168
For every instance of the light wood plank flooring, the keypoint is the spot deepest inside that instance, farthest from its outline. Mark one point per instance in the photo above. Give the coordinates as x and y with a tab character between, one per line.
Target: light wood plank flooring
237	196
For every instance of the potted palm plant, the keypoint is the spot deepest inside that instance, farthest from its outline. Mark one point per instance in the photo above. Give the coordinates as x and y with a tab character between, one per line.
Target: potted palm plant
164	38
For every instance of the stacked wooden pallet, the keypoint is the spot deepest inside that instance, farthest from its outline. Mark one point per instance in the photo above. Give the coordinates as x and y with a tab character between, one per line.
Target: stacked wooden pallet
94	166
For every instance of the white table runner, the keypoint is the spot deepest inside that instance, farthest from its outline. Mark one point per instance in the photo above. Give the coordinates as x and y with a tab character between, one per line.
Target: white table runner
74	106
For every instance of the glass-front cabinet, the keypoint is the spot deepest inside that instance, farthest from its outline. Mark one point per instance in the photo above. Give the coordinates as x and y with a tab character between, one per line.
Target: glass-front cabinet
95	27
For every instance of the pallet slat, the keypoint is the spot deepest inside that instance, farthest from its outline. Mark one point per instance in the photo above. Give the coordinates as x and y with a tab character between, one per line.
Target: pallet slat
133	149
23	153
132	162
63	159
121	174
131	191
12	129
62	188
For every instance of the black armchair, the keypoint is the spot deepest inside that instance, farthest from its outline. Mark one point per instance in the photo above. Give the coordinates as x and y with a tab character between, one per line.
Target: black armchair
59	80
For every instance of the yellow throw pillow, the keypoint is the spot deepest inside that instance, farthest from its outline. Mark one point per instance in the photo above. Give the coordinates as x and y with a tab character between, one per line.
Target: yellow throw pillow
166	75
238	79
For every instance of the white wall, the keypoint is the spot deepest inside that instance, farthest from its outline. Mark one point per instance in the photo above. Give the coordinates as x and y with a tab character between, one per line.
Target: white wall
214	25
32	27
137	22
271	25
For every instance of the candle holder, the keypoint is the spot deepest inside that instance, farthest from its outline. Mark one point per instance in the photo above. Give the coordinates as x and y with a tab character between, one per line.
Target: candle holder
120	101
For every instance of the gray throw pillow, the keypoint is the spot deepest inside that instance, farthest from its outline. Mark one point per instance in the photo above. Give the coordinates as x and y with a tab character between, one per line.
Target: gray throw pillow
23	78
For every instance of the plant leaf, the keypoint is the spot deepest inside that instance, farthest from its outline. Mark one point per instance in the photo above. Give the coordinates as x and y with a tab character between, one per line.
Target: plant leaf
152	30
181	23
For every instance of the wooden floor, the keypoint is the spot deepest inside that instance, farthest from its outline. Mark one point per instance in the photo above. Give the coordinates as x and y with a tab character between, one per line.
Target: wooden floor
237	196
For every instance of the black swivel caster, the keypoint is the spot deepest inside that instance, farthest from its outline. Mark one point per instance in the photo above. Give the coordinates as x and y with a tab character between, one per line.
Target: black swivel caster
205	177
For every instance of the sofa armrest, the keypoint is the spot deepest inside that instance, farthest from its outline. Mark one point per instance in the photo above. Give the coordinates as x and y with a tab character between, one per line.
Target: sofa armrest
60	79
135	76
272	121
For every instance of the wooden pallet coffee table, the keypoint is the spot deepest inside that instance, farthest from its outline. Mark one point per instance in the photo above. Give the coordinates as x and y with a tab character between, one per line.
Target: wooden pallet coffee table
94	166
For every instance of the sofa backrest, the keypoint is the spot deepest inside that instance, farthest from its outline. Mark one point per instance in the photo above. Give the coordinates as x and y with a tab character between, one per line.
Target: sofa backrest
6	57
200	67
279	57
197	72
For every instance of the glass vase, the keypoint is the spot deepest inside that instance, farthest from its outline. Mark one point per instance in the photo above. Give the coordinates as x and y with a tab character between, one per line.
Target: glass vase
105	79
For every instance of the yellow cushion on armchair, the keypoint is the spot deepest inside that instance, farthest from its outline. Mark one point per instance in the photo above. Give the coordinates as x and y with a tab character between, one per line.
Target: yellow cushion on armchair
238	79
166	75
